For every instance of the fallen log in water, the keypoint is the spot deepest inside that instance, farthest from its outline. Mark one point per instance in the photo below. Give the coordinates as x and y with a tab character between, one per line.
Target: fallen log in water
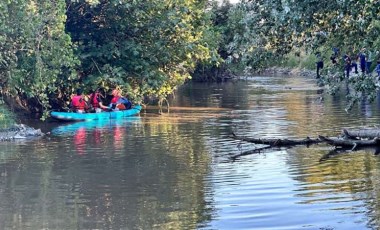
361	133
349	140
343	142
278	142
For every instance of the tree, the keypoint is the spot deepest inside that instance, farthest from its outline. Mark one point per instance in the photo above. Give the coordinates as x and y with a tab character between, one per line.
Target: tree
36	58
268	29
146	47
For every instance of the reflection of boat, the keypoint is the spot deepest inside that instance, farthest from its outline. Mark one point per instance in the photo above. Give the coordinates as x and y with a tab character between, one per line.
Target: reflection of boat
94	124
70	116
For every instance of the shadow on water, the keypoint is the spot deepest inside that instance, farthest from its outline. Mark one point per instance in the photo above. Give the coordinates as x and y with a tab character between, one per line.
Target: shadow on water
341	151
68	128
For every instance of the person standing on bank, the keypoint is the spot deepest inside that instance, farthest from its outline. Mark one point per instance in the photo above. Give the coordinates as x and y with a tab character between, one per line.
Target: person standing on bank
319	63
334	55
362	59
347	65
353	62
369	61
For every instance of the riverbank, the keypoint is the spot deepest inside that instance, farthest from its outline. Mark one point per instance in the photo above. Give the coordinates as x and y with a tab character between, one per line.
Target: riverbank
7	118
286	71
19	131
11	129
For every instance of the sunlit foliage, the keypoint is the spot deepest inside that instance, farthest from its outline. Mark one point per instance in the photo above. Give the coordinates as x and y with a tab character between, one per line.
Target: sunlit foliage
266	30
147	48
50	47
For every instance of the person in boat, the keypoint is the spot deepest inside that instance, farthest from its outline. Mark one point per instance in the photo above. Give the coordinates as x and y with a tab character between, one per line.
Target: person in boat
78	103
96	101
119	102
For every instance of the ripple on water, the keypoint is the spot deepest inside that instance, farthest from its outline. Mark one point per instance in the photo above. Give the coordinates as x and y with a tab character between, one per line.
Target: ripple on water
174	170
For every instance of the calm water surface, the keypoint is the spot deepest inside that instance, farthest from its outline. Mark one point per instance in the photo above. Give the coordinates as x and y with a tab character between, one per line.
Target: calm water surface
174	170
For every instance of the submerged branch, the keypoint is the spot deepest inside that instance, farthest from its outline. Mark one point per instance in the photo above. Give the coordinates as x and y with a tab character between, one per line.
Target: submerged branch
249	152
336	141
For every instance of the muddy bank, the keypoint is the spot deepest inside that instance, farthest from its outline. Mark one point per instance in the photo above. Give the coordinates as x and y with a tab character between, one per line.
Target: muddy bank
19	131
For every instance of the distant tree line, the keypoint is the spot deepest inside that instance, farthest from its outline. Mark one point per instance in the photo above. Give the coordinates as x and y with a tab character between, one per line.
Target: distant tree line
48	48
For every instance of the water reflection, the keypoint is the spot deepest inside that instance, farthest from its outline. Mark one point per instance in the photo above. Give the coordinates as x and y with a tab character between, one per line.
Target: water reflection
80	140
136	174
173	170
92	132
72	127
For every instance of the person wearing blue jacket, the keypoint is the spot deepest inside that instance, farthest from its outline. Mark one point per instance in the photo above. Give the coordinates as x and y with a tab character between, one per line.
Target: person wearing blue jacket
362	59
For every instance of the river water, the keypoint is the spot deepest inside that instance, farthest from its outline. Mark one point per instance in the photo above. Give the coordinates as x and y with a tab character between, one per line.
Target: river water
175	169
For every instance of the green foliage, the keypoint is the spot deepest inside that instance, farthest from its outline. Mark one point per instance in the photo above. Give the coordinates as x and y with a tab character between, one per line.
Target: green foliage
363	86
147	48
217	38
279	27
298	59
36	54
7	119
266	30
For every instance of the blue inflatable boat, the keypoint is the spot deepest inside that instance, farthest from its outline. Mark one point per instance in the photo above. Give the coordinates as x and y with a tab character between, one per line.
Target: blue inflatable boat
71	116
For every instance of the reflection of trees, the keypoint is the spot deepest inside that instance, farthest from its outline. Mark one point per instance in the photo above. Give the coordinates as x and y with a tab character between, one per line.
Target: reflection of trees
356	174
155	181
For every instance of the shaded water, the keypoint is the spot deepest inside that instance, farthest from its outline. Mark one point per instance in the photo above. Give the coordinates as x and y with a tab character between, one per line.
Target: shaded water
174	170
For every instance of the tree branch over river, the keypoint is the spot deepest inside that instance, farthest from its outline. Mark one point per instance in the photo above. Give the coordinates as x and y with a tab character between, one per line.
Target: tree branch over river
348	140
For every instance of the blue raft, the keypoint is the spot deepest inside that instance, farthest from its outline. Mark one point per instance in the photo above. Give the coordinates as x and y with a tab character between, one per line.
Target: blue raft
72	128
71	116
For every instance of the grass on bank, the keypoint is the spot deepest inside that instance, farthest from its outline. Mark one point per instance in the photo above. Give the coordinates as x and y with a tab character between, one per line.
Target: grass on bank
7	118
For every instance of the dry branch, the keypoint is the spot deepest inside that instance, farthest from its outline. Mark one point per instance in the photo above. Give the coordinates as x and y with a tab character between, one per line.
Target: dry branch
249	152
350	140
336	141
362	133
278	142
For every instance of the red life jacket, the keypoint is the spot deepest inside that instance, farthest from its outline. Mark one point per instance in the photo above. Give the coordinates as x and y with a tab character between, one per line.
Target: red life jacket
78	102
115	99
94	100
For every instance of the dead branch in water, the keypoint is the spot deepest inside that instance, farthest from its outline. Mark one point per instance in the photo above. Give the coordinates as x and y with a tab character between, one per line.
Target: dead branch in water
349	140
361	133
249	152
276	142
343	142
